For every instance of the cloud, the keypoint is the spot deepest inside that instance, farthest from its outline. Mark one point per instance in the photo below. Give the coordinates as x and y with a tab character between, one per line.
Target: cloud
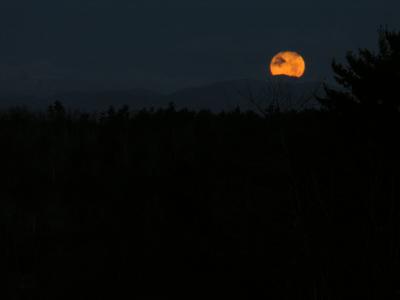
279	61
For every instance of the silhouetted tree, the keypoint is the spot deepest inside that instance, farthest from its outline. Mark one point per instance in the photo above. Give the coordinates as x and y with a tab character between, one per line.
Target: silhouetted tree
369	80
56	110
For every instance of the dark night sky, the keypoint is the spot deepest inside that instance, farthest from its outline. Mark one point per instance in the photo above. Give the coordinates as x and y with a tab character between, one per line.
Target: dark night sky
176	43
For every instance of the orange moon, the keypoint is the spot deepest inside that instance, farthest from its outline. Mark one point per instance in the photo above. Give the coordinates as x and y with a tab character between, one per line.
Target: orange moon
288	63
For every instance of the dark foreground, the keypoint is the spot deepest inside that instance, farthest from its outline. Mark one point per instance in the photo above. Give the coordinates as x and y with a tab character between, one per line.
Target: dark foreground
169	204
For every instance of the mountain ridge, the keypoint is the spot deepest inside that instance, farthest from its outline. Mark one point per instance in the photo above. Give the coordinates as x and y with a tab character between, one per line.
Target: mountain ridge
218	96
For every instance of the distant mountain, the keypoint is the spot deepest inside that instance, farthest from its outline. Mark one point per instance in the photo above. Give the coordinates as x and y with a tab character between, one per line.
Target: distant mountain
89	101
227	95
246	94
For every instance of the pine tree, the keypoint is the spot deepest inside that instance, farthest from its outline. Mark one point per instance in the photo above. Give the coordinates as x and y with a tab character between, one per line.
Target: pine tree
370	80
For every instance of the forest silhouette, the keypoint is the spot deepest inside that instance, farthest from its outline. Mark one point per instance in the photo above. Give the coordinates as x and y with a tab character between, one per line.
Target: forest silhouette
167	202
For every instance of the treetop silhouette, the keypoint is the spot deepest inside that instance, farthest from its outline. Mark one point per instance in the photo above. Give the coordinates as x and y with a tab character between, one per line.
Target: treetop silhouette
369	80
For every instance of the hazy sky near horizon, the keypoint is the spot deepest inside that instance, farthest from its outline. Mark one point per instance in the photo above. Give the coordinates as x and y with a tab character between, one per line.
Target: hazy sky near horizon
176	43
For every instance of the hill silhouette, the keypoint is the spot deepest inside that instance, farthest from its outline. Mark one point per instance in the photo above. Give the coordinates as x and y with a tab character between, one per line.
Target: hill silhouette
217	97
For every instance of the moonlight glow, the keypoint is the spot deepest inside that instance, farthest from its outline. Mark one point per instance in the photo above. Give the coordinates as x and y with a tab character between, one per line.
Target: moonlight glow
288	63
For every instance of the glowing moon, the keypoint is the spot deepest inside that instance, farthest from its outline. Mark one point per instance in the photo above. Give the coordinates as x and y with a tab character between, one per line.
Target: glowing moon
288	63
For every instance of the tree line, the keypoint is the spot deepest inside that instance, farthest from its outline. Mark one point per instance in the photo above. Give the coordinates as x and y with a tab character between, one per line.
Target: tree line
169	202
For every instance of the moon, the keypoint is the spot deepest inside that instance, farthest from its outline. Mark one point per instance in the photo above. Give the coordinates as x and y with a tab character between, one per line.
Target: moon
288	63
